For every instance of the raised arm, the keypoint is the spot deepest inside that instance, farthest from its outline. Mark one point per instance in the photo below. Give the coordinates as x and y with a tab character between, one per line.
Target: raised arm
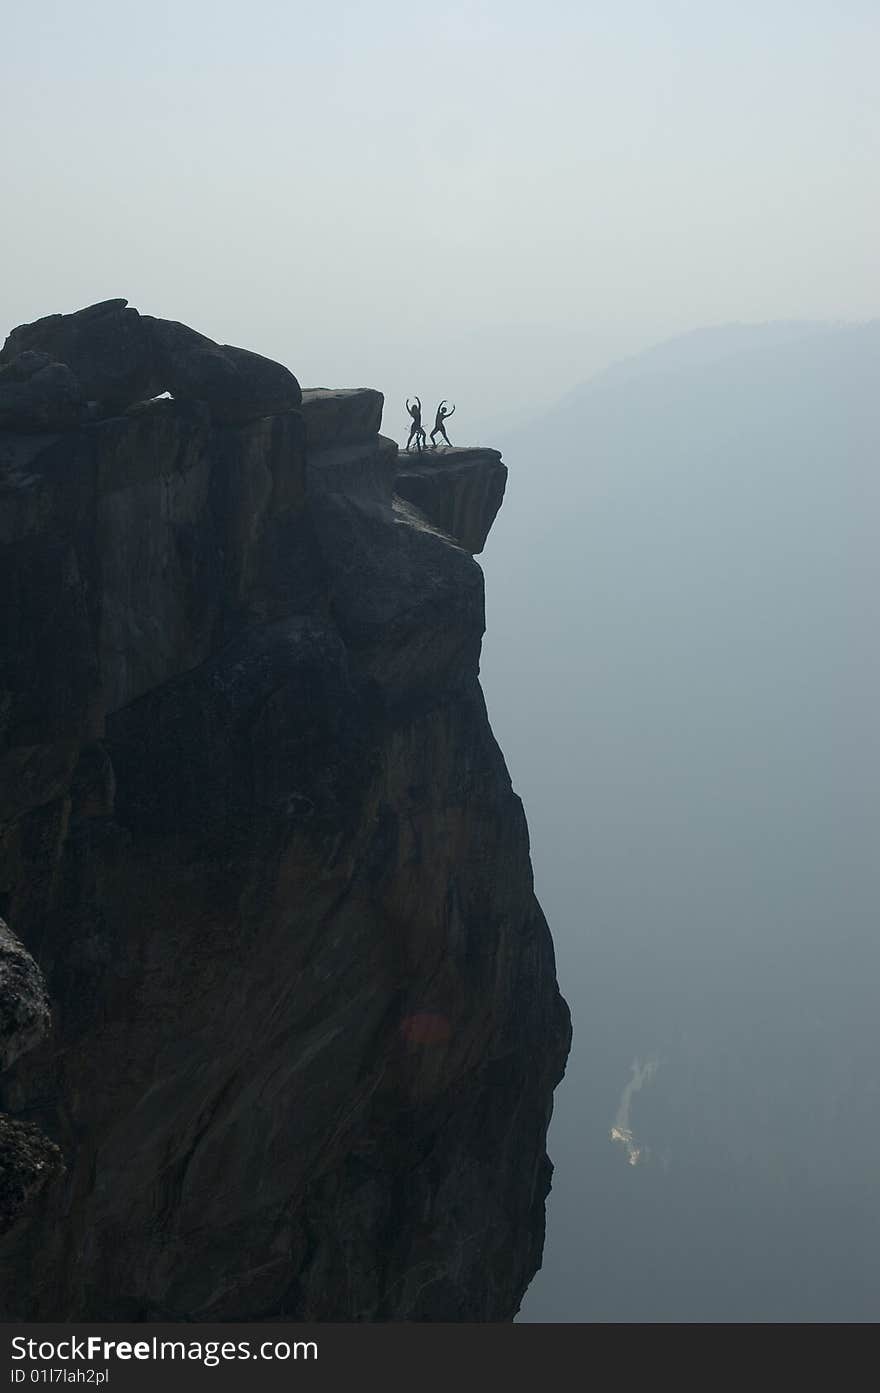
450	413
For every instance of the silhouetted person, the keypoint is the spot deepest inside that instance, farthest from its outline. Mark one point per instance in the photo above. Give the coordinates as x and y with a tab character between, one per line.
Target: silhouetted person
439	428
416	430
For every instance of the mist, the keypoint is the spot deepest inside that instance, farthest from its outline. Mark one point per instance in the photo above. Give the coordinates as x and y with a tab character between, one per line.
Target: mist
681	670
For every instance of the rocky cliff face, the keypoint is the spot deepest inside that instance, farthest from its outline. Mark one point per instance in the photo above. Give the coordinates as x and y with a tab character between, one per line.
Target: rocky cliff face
256	831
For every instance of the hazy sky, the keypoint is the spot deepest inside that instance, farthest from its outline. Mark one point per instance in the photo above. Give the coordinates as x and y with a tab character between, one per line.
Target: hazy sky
484	201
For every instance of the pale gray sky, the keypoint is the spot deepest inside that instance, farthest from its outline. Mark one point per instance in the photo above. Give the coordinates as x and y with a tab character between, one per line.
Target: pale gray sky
483	201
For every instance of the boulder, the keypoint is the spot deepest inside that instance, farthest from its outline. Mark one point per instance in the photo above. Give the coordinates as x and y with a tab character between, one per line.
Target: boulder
341	417
107	347
24	1009
116	357
28	1162
38	394
262	388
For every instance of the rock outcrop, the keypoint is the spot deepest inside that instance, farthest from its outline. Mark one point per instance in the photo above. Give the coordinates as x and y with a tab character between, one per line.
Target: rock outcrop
36	393
24	1009
29	1162
340	417
110	357
255	826
460	490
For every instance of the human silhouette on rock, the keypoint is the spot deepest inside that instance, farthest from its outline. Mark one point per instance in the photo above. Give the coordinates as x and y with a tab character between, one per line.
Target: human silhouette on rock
439	428
416	430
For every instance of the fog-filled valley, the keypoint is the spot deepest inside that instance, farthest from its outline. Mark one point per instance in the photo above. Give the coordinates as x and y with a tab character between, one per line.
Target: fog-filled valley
681	668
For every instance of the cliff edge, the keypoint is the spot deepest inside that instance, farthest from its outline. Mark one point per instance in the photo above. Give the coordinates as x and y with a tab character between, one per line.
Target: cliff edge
257	834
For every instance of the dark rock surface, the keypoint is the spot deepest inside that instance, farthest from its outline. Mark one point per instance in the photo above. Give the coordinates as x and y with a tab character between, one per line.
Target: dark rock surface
458	490
116	357
256	828
108	348
38	394
29	1162
24	1009
342	416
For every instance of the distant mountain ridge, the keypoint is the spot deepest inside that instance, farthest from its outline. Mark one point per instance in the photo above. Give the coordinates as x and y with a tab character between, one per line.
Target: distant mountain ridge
706	349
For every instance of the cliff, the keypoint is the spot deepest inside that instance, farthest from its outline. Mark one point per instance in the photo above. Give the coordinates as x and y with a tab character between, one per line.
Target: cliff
256	832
